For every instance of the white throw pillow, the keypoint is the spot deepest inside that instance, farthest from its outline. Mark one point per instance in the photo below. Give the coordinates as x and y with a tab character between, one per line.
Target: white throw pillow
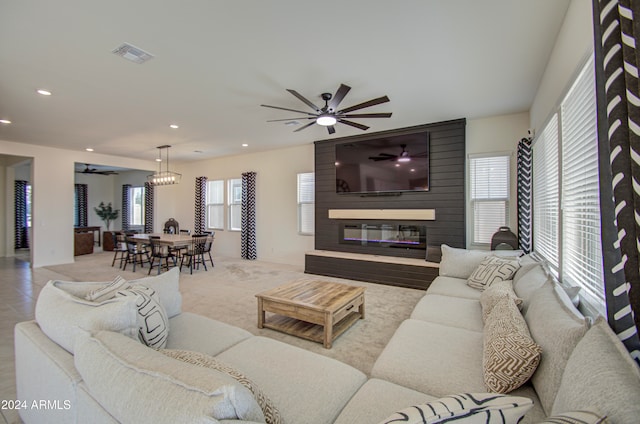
61	314
109	291
576	417
492	269
168	288
467	408
153	323
460	263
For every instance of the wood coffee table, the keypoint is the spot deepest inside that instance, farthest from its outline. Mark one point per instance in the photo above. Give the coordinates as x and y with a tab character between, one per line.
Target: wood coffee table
315	310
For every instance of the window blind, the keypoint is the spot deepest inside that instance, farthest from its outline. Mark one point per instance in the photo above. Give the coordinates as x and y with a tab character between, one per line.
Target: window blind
306	203
581	245
215	204
235	204
546	196
489	176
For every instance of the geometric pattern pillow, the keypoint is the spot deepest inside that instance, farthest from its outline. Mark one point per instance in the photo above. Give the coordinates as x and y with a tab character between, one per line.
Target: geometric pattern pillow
492	295
465	408
153	324
271	413
510	356
576	417
493	269
109	291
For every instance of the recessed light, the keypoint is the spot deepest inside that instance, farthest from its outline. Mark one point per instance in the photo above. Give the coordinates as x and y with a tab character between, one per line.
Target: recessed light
245	145
44	92
158	160
4	121
89	149
174	126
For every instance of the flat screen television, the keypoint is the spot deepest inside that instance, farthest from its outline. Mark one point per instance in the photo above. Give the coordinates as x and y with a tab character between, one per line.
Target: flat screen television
390	164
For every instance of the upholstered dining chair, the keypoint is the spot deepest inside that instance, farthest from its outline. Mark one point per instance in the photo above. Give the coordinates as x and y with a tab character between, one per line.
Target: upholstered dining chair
171	226
161	253
194	255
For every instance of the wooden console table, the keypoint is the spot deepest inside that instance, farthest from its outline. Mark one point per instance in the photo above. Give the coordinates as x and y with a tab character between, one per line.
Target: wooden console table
88	230
314	310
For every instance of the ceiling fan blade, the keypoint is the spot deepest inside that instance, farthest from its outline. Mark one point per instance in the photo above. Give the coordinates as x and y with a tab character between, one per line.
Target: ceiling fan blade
290	110
292	119
337	98
353	124
368	115
304	100
373	102
380	157
331	129
306	126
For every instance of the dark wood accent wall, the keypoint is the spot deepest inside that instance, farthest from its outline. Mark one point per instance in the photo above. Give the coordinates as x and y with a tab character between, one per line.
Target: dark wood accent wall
446	192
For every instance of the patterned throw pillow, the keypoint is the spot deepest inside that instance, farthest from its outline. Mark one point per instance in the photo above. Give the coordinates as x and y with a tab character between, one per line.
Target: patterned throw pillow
467	408
108	291
153	324
494	293
493	269
576	417
271	413
510	355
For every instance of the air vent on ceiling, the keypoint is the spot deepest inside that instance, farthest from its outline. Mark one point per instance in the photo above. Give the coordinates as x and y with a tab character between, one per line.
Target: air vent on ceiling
132	53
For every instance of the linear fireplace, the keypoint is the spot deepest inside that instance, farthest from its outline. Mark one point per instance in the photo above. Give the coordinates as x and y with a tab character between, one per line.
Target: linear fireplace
385	235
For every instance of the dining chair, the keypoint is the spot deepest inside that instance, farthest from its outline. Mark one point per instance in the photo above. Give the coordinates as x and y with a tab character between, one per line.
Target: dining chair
160	252
171	226
136	253
194	254
207	249
120	249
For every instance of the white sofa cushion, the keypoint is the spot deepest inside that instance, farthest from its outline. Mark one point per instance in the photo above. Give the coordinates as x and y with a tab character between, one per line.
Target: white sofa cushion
557	327
449	310
167	285
460	263
576	417
416	352
61	312
529	283
305	386
139	384
467	408
455	287
491	270
600	374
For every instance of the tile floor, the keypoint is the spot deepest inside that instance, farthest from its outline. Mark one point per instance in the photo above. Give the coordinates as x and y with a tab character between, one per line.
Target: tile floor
19	288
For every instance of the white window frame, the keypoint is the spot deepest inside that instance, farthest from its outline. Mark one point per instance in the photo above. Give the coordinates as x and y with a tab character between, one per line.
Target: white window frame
485	191
578	261
215	203
234	204
132	206
306	203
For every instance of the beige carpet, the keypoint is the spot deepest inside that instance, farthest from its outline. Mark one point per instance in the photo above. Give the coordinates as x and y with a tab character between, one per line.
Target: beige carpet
227	293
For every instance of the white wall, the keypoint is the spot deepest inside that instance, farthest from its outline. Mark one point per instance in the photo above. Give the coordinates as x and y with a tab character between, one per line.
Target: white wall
573	45
276	201
496	134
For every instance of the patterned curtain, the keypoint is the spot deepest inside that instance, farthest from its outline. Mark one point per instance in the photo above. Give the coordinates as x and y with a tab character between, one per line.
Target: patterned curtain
248	233
148	207
81	205
200	224
618	103
125	207
524	195
21	239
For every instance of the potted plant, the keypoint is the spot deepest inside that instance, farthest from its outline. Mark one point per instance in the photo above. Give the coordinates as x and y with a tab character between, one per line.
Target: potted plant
107	214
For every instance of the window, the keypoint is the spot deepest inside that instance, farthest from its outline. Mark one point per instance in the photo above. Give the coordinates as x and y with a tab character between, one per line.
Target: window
306	203
566	199
489	176
235	204
136	206
215	204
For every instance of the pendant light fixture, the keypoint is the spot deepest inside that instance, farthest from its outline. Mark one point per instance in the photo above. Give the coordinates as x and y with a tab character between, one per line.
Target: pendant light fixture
165	177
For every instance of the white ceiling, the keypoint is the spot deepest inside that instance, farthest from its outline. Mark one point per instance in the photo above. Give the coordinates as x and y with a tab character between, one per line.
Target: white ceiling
217	61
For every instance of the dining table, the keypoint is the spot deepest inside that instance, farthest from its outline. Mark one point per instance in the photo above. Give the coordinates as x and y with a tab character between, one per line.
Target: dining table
173	240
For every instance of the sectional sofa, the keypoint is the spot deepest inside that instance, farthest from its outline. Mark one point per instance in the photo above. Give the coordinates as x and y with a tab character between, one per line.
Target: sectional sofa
95	356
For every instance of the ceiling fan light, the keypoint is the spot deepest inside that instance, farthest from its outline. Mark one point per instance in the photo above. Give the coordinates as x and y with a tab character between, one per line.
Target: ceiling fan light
326	120
404	159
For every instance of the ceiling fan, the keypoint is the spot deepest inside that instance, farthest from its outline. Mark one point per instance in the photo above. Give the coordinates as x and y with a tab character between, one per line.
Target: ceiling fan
329	115
404	155
89	170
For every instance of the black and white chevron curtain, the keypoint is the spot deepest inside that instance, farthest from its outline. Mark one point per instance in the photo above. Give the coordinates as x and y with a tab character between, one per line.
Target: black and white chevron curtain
81	219
125	207
148	207
616	33
21	239
200	218
248	233
524	195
